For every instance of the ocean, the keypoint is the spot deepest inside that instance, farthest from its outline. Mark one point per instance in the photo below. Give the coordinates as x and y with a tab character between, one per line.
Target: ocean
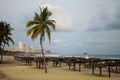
107	56
98	56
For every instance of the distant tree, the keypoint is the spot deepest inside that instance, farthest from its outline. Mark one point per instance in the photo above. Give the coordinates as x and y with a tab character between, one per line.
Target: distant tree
40	25
5	36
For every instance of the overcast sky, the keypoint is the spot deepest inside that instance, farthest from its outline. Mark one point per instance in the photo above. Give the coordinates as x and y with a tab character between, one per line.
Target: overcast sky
91	26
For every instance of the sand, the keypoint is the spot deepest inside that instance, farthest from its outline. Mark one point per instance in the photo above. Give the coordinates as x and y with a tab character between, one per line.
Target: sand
19	71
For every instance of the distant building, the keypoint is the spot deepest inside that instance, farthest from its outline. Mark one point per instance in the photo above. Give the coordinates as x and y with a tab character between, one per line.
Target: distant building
13	49
21	46
29	49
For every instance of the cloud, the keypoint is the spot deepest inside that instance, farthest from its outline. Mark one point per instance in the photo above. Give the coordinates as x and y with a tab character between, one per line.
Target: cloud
78	44
107	18
103	43
56	41
62	17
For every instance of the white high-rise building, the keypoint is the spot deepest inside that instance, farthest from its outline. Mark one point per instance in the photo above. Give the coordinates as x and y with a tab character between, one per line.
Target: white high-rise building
21	46
29	49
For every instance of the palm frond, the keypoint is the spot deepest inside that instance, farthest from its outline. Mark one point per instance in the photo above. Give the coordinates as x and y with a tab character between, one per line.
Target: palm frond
38	30
51	23
45	10
31	30
11	40
49	13
36	17
40	10
31	23
35	34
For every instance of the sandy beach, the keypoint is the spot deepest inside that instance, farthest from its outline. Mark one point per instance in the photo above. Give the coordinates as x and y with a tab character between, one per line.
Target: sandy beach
19	71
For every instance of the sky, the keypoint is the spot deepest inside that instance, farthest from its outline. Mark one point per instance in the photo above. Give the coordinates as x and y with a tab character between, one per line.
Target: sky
82	26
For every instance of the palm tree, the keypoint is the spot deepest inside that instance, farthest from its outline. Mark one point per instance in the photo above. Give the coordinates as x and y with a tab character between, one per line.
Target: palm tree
5	36
40	25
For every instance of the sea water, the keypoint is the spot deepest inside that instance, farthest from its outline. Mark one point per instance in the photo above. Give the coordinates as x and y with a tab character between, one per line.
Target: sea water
98	56
108	56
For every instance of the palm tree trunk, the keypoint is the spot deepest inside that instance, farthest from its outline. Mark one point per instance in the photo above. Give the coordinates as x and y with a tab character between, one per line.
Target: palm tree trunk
1	57
44	61
1	54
